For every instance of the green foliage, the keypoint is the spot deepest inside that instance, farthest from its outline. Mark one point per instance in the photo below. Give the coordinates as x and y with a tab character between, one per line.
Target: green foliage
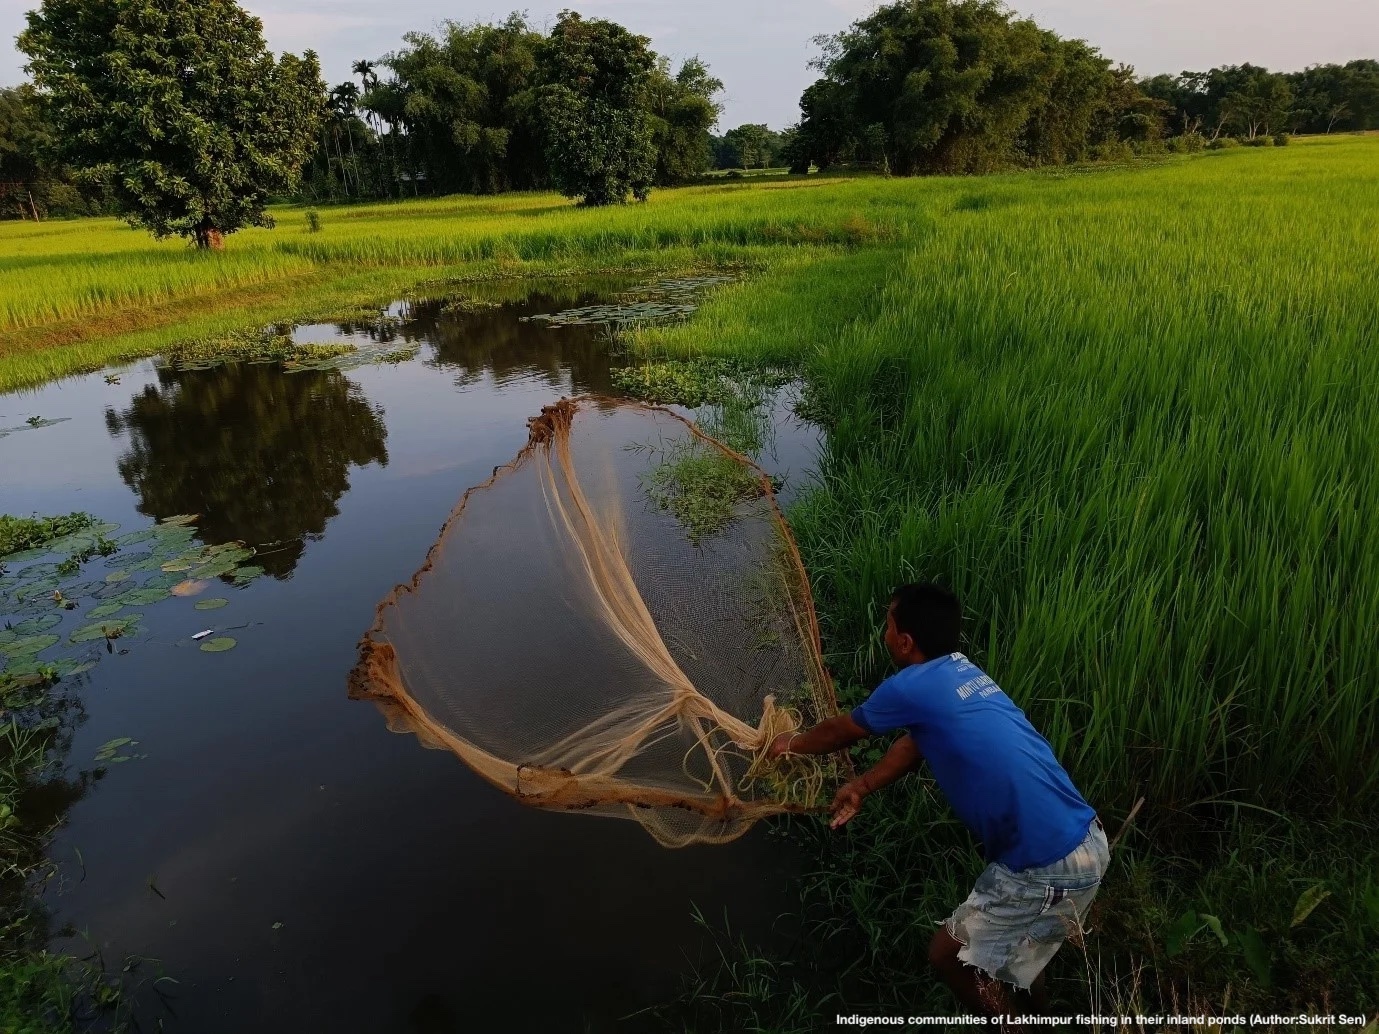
600	140
751	146
963	86
460	108
683	109
269	345
18	534
702	487
179	110
33	182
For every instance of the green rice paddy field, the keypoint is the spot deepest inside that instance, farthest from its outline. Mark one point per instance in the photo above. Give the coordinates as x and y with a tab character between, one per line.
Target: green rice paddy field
1130	414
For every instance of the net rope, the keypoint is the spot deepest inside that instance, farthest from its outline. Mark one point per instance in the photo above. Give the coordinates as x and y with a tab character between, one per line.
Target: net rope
583	641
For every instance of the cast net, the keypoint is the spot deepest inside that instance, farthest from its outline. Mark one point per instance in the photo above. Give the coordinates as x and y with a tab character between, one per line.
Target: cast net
616	622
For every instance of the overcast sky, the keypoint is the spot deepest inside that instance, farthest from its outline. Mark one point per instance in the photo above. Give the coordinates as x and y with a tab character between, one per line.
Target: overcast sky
761	48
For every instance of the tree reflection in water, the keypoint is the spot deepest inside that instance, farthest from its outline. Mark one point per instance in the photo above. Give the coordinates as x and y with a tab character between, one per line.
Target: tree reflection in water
260	455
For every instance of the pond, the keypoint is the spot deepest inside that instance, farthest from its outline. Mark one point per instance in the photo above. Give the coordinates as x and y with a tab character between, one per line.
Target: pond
268	844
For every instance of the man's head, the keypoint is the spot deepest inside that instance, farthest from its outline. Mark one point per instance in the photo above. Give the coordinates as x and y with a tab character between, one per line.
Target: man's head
923	622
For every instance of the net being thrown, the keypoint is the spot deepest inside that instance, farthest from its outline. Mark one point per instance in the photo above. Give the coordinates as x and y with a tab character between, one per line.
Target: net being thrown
617	622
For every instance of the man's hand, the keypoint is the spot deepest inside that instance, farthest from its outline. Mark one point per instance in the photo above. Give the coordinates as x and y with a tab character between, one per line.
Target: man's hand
848	802
780	745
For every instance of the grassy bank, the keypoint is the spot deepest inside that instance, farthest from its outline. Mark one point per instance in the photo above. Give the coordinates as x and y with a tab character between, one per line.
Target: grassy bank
1128	414
1127	418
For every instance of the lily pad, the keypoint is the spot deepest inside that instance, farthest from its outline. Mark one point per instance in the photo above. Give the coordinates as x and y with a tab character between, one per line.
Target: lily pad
68	667
39	624
127	561
29	645
142	535
218	645
36	590
215	567
245	575
214	603
105	629
104	610
73	543
143	596
82	589
117	576
23	555
180	520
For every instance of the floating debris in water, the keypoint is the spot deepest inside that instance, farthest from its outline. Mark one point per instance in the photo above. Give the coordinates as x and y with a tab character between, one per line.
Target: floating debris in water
32	424
662	302
40	585
354	356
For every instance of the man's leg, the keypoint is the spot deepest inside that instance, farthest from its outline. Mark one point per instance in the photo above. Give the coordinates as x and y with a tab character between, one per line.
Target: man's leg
980	993
982	996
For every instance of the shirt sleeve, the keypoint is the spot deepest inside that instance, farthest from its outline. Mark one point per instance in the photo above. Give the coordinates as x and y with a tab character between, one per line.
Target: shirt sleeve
888	708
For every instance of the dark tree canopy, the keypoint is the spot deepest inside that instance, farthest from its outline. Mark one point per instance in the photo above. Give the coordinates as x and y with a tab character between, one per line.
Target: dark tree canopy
179	109
463	103
683	109
751	146
262	456
1250	101
600	139
963	86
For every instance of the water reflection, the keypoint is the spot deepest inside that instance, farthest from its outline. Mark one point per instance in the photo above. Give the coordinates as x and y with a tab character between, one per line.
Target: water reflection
492	343
260	455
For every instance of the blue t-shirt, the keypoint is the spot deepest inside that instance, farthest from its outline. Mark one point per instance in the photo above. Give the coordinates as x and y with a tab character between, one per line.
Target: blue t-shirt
998	773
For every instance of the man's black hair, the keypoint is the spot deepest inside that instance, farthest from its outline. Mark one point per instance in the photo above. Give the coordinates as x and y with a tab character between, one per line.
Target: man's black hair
930	615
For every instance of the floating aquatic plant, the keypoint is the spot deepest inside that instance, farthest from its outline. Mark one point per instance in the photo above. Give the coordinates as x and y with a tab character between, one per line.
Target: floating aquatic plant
660	302
148	566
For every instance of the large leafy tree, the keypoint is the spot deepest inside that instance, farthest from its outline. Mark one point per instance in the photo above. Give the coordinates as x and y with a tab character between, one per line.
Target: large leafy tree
599	134
962	86
177	106
683	109
460	106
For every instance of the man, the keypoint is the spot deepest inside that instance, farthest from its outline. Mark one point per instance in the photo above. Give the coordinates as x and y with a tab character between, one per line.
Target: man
1045	847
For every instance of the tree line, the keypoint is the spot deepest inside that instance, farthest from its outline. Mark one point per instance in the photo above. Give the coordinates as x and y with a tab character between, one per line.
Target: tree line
589	108
964	86
179	117
1248	101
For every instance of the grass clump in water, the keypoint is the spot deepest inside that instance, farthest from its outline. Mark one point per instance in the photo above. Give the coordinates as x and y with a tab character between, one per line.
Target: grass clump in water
703	381
702	487
18	534
265	346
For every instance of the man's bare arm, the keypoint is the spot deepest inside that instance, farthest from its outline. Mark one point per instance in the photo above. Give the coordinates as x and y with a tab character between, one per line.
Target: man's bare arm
829	735
903	757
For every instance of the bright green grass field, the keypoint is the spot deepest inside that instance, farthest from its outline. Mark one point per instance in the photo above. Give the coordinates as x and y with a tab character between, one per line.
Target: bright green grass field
1130	414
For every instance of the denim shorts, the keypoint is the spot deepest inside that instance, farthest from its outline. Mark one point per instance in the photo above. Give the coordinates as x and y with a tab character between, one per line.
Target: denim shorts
1013	923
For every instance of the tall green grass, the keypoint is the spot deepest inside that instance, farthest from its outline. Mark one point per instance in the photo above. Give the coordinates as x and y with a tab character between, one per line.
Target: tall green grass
1131	418
86	268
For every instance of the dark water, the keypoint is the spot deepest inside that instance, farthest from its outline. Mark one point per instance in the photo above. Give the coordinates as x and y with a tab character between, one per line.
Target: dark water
287	861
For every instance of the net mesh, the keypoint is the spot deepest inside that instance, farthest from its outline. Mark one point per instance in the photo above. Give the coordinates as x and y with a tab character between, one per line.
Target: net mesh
617	622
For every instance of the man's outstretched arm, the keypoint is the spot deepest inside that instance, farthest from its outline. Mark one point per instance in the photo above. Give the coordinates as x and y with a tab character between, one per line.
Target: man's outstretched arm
829	735
903	757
